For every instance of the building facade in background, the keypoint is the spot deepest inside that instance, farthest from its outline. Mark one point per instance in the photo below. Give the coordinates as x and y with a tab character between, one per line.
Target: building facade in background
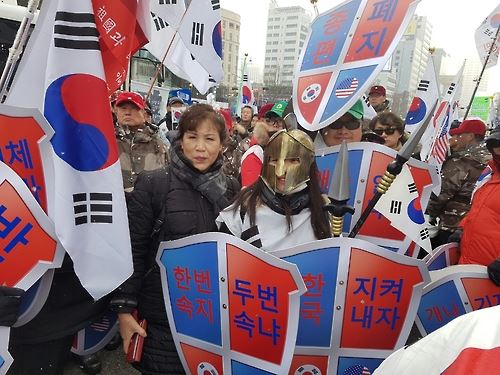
287	30
230	46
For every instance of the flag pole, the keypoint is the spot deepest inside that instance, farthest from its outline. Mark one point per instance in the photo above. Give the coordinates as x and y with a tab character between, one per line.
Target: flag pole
17	47
482	71
314	2
240	87
392	171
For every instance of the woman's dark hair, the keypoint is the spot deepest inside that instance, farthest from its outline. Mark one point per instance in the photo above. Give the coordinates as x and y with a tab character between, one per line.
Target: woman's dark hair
388	119
196	114
248	199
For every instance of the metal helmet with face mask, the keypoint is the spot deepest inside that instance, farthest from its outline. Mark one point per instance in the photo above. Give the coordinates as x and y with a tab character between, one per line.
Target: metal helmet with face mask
283	145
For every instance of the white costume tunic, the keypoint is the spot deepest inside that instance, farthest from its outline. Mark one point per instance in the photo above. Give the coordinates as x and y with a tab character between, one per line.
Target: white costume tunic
270	228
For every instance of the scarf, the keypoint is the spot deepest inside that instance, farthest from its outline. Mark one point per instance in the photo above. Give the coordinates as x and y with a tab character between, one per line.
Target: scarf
212	184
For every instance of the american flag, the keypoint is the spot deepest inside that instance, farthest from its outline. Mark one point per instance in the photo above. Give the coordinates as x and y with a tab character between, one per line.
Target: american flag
357	370
439	150
102	325
346	87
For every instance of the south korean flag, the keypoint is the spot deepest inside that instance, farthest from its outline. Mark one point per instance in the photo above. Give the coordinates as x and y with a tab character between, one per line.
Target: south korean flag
401	205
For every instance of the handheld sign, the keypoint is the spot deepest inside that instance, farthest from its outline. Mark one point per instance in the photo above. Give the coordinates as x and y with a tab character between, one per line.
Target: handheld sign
443	256
360	304
346	49
232	308
95	336
455	291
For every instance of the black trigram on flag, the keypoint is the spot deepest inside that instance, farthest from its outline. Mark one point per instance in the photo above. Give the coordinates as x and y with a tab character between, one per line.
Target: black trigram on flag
215	4
423	85
159	22
252	236
424	233
245	77
168	2
396	207
211	79
412	187
197	34
93	208
73	31
367	102
451	88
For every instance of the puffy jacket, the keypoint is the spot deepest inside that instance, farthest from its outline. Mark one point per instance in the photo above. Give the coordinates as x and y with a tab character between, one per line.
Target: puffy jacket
186	212
480	242
458	178
140	151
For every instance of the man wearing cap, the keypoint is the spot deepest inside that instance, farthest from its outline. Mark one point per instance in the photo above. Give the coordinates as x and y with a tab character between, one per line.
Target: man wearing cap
347	127
459	174
138	143
173	102
377	98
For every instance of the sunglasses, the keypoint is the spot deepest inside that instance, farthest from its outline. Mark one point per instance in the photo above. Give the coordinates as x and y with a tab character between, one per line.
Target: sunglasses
274	122
388	131
349	125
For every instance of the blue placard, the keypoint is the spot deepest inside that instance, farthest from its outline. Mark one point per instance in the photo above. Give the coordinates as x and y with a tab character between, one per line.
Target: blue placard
319	272
193	280
238	368
357	366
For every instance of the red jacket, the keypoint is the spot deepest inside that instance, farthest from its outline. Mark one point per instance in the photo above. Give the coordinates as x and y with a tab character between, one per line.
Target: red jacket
480	242
251	164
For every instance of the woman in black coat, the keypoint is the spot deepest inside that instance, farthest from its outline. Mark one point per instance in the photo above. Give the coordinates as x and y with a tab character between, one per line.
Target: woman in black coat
180	200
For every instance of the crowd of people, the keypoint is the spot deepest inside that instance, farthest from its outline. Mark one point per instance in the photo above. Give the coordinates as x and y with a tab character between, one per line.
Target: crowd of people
205	172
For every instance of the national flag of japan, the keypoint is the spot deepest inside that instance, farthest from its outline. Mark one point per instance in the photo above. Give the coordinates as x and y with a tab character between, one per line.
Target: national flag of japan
123	27
469	344
69	87
401	204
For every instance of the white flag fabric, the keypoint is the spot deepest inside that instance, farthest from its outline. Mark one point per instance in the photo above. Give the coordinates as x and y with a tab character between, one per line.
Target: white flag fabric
485	36
426	95
89	206
200	30
469	344
435	141
169	11
178	60
368	111
401	206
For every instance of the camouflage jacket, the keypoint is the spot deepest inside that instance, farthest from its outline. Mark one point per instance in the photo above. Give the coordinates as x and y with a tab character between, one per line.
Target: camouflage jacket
459	174
139	151
233	151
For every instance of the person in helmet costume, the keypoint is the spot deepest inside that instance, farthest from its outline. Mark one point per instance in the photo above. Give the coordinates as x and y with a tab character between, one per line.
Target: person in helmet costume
480	243
284	207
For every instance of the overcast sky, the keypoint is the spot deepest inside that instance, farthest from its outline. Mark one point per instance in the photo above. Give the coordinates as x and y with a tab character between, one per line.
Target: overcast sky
453	21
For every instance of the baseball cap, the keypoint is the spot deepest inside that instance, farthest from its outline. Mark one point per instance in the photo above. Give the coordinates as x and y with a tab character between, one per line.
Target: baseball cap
357	110
131	97
377	90
278	109
174	100
470	126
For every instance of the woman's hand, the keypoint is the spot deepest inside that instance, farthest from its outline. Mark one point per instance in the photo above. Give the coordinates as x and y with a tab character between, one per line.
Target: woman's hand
129	326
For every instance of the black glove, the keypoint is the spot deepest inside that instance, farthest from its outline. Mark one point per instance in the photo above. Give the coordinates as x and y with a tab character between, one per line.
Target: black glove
456	236
494	271
10	300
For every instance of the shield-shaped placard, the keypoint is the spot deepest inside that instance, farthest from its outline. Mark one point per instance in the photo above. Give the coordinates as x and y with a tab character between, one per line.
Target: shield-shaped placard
232	308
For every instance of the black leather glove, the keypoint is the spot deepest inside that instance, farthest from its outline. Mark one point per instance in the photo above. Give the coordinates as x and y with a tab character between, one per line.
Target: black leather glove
10	300
494	271
456	236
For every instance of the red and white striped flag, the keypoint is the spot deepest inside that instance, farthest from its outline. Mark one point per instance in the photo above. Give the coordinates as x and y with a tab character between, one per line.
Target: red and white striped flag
436	148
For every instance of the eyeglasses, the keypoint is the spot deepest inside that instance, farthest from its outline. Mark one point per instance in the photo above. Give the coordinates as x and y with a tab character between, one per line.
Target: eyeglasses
388	131
349	125
274	121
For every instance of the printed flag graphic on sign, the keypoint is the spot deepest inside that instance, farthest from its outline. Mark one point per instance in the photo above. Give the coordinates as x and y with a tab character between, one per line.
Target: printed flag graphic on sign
346	48
84	145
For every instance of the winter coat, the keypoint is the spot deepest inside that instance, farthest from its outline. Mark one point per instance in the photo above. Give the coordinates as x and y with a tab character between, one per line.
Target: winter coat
167	196
480	242
139	151
458	177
